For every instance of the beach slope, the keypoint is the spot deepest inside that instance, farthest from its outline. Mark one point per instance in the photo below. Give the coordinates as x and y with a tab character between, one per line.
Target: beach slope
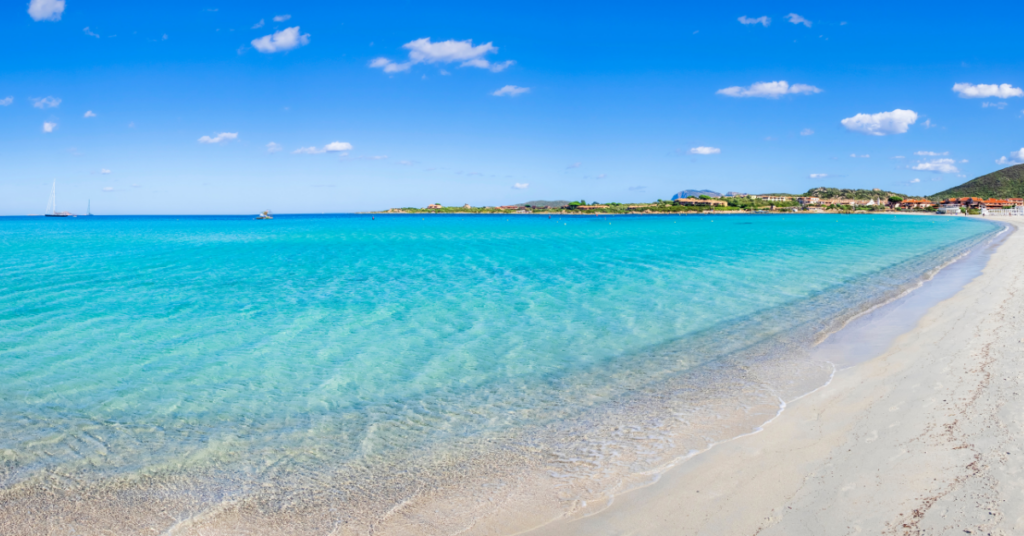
927	438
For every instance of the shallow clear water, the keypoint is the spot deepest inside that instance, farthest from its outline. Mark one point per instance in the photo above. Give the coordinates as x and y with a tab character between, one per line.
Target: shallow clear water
217	358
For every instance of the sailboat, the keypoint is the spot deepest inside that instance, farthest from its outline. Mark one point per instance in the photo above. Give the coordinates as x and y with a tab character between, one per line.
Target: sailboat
88	208
51	207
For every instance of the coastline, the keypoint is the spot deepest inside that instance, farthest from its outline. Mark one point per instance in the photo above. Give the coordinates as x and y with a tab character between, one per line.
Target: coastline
888	446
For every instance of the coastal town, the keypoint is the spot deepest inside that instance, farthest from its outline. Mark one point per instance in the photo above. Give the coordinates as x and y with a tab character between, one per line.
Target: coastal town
745	203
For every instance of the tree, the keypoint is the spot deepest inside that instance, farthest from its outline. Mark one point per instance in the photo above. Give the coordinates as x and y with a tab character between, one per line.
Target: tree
705	197
895	199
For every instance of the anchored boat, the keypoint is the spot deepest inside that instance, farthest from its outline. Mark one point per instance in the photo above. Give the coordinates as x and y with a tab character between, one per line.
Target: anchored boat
51	207
265	215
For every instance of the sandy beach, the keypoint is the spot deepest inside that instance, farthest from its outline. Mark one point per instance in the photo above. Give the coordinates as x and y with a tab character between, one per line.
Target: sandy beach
924	439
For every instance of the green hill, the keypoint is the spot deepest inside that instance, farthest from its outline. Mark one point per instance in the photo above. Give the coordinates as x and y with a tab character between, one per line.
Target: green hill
1007	182
846	193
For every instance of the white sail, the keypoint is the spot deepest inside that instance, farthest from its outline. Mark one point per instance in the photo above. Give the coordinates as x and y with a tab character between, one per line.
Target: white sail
51	206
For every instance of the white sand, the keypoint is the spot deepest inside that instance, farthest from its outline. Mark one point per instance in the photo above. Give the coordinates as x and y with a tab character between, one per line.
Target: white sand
927	438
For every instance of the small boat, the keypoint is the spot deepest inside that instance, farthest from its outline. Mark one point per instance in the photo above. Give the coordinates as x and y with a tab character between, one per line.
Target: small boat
265	215
51	207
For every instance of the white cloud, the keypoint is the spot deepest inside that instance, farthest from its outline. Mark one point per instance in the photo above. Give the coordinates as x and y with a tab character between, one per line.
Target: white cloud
282	18
451	51
89	113
338	146
90	33
768	90
286	39
928	124
258	25
49	127
854	155
520	185
164	37
797	19
510	91
806	132
105	171
982	91
940	165
988	104
705	150
273	147
7	101
333	147
1016	157
108	189
764	20
46	102
964	161
45	9
819	175
931	153
223	136
915	181
880	124
498	67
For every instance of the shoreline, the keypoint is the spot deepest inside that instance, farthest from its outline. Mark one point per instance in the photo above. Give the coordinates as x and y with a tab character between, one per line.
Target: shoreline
782	478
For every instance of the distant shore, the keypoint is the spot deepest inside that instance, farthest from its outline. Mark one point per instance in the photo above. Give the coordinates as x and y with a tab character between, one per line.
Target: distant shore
925	438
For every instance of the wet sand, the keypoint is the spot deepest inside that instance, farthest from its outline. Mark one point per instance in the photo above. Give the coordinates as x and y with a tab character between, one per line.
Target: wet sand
926	438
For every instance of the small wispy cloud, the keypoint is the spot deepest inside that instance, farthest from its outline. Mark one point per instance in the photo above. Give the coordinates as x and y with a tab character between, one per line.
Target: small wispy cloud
90	33
1016	157
818	175
108	188
940	165
105	171
258	25
797	19
45	102
931	153
574	165
520	186
423	50
89	113
806	132
915	181
998	105
6	101
282	41
49	127
762	20
705	150
333	147
222	137
273	147
983	91
855	155
282	18
769	90
895	122
510	91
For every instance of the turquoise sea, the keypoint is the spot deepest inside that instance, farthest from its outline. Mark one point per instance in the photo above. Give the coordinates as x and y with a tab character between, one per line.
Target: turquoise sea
407	374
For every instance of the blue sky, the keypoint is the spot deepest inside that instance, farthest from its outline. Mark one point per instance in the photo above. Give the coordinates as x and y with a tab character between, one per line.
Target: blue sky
395	104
